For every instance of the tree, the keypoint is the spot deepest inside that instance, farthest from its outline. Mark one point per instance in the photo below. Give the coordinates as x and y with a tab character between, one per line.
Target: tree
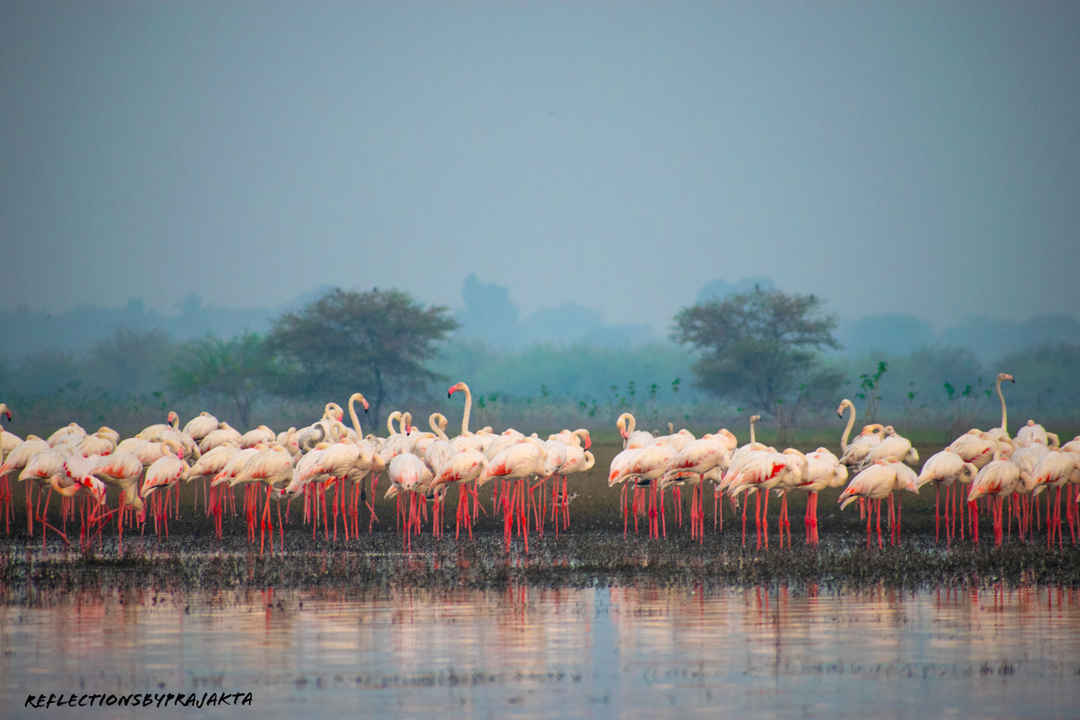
130	361
239	369
375	341
759	347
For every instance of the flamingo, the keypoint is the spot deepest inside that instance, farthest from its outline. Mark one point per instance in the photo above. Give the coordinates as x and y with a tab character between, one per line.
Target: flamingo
44	468
1035	434
225	434
461	468
692	460
408	473
208	466
722	477
521	461
201	425
70	434
943	469
367	462
998	479
856	454
756	471
1000	433
647	467
122	469
154	433
875	483
77	471
466	440
272	466
1054	470
165	472
100	443
578	460
626	423
823	470
794	475
893	448
973	448
15	461
260	434
8	442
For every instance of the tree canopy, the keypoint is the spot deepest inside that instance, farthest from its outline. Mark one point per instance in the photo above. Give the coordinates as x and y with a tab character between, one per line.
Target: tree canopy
760	347
376	342
238	369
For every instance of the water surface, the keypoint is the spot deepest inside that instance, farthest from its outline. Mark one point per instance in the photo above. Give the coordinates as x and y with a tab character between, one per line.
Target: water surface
538	652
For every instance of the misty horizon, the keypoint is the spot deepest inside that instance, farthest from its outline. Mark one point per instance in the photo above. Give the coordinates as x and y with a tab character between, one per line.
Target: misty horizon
898	158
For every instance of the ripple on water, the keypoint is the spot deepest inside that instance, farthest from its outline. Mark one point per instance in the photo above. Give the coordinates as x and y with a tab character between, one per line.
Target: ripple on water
532	652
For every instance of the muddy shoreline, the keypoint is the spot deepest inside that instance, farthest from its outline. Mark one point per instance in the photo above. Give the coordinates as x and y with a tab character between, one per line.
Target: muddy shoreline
582	557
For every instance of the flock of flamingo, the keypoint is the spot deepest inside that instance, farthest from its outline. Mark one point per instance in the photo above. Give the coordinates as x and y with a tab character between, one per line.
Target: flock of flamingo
328	459
1001	471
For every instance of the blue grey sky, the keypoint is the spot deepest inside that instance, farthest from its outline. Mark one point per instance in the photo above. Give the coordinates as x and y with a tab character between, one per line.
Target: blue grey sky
891	157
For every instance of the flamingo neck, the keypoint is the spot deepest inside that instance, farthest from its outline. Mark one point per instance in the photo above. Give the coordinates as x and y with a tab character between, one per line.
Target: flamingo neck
752	431
1004	416
847	428
468	410
390	422
353	416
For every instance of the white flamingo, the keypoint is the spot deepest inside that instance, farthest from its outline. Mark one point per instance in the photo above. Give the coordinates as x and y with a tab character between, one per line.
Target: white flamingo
944	469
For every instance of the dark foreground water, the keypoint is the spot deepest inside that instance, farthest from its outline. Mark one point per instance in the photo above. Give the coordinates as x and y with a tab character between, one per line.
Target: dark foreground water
568	652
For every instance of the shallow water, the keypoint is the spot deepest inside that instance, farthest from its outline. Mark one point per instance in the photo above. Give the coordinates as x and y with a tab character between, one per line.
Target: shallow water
537	652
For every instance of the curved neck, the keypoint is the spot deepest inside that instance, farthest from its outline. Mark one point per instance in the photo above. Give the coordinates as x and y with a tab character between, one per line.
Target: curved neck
390	422
437	421
352	414
1004	416
468	409
847	428
405	422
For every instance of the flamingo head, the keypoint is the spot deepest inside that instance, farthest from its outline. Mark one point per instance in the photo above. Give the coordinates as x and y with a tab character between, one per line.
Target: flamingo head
95	487
454	388
1002	377
172	418
587	439
7	413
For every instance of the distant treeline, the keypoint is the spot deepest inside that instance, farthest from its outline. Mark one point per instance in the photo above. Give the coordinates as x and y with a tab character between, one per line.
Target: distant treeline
124	380
557	367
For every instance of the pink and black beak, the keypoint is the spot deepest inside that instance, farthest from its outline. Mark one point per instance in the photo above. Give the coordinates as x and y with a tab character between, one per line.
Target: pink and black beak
7	414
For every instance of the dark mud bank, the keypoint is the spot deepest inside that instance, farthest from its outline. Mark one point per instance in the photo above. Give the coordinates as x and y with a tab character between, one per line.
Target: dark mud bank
578	558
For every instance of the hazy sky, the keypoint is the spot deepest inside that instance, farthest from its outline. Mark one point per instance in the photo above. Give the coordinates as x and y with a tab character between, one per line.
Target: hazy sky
896	157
